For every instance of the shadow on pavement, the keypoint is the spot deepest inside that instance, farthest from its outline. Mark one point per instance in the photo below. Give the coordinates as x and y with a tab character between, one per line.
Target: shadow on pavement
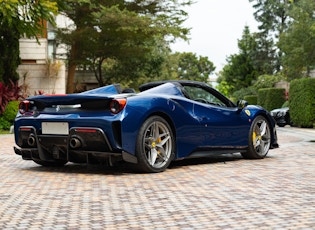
122	168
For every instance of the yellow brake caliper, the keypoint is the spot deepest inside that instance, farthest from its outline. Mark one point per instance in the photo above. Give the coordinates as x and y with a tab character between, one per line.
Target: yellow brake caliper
254	139
153	145
159	141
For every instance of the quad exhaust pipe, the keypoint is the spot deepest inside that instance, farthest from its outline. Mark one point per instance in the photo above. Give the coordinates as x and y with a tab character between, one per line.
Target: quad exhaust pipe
31	140
75	143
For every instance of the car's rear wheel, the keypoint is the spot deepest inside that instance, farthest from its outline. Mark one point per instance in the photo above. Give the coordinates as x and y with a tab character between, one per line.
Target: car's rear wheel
155	145
259	139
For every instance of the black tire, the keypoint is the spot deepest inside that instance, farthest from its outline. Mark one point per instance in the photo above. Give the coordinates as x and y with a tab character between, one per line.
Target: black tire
55	163
155	145
259	139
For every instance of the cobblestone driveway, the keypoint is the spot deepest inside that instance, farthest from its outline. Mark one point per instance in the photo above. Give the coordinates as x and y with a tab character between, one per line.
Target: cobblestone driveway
214	193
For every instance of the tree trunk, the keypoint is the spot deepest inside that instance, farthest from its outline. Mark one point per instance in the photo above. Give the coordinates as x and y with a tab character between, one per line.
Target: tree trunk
99	69
71	69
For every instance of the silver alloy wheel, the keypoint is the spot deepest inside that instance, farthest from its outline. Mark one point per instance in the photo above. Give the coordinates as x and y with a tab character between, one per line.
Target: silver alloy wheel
261	137
158	144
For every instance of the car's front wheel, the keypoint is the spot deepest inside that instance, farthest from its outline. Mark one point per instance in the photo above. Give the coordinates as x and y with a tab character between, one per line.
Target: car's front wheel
155	145
259	139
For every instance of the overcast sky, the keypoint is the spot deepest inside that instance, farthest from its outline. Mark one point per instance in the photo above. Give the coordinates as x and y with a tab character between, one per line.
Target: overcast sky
215	27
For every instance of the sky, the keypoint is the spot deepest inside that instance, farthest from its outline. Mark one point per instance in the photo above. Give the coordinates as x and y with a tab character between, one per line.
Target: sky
216	25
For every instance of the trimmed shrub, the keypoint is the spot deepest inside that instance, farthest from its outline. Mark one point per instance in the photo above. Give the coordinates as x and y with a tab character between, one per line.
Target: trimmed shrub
251	99
271	98
4	124
240	94
10	111
302	102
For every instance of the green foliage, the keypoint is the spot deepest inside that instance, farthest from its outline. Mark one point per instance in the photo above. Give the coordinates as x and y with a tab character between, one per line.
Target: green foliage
302	102
273	19
191	67
266	81
25	16
224	88
11	111
10	53
239	72
272	15
265	56
8	116
240	94
298	41
233	99
257	57
271	98
20	18
251	99
135	34
4	124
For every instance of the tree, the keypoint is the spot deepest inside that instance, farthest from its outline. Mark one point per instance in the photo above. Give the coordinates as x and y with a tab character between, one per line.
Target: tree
134	41
272	15
298	41
240	70
264	55
17	19
191	67
273	18
124	31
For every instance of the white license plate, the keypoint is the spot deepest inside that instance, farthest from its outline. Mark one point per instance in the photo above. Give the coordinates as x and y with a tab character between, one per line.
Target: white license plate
58	128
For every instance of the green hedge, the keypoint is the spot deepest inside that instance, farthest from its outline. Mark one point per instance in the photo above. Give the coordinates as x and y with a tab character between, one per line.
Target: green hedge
4	124
251	99
8	116
302	102
271	98
10	111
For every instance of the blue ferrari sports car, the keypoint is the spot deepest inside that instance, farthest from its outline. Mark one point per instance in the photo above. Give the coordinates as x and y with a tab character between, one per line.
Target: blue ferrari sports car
165	121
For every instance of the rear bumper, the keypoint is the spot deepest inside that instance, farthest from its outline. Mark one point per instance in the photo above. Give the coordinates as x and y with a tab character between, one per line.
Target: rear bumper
25	153
82	145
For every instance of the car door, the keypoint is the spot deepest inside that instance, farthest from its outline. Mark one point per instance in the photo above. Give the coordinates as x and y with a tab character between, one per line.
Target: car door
221	126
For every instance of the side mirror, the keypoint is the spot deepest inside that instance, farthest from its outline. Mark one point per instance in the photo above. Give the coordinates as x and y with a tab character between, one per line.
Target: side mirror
242	104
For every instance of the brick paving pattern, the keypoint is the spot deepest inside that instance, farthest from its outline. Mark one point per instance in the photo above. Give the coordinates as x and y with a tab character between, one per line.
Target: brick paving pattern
214	193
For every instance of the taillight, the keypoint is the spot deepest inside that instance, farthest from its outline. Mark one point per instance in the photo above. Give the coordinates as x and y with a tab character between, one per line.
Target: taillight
117	105
85	130
24	107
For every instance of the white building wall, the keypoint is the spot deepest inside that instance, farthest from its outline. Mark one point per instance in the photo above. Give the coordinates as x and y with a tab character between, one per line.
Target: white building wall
36	72
37	77
30	50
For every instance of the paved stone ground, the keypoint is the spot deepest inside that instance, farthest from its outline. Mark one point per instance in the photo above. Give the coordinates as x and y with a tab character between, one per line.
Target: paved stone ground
214	193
